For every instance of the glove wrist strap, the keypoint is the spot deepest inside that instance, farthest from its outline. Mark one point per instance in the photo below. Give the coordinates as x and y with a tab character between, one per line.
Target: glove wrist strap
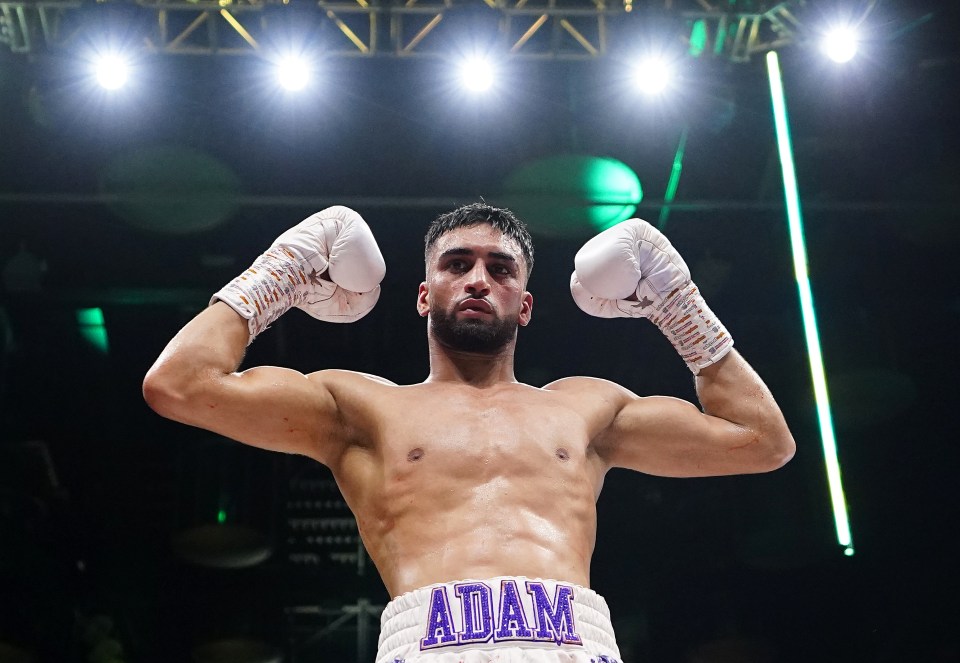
270	287
692	328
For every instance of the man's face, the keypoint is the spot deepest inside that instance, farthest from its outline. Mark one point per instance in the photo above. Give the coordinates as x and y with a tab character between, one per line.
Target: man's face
474	292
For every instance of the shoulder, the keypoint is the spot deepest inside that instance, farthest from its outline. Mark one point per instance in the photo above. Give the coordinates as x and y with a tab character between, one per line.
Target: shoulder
354	392
360	400
582	386
334	376
623	403
609	399
598	401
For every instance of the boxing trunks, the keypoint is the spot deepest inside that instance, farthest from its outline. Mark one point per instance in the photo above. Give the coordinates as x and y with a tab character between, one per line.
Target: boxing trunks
503	619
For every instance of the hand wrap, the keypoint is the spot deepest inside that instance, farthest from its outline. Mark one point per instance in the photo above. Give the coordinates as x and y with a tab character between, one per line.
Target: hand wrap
329	265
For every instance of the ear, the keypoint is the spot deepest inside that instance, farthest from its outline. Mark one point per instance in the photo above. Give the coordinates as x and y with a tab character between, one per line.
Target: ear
423	307
526	309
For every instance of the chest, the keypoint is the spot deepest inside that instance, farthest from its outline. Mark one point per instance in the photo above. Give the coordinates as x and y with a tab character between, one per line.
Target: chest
481	437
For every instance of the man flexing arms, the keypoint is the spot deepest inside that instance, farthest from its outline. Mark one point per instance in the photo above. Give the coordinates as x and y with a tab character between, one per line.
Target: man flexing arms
475	494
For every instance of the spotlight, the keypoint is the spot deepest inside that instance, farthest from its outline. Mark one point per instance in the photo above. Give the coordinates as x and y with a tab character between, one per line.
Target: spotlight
293	73
476	74
840	44
652	75
112	71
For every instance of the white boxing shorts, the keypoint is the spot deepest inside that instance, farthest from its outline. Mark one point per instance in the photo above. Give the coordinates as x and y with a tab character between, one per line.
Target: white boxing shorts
507	619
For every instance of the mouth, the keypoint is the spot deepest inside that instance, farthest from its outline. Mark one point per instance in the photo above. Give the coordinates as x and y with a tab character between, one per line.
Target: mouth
475	306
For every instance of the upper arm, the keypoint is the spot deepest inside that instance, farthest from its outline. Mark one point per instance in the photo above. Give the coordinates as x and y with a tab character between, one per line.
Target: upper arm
194	381
667	436
268	407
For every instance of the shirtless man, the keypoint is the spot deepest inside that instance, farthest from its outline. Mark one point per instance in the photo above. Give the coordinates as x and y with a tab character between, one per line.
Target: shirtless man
475	494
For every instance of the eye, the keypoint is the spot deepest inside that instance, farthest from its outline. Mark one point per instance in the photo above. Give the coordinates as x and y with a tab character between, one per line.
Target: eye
500	270
457	265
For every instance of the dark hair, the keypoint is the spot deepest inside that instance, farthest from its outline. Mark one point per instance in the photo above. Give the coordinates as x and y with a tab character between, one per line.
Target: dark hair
475	214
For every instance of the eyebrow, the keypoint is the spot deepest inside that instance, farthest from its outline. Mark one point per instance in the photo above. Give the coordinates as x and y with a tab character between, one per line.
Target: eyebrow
458	251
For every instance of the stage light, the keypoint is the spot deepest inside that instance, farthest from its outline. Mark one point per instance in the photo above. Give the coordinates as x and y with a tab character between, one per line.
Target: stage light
476	74
840	44
112	70
652	75
293	73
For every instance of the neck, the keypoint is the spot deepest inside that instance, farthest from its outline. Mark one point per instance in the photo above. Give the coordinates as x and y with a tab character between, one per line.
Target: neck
475	369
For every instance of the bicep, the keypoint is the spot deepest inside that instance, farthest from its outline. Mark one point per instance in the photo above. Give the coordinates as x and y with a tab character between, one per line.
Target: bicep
666	436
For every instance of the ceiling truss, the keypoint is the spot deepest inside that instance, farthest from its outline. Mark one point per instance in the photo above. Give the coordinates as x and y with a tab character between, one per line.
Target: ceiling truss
544	29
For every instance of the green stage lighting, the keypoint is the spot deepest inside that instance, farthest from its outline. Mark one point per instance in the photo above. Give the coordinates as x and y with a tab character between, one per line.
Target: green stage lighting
573	195
93	328
698	38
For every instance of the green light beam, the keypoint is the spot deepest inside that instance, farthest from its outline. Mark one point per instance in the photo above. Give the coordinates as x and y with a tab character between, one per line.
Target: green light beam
93	328
798	245
698	38
674	181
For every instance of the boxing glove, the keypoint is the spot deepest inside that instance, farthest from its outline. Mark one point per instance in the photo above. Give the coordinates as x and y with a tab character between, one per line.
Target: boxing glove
328	265
632	270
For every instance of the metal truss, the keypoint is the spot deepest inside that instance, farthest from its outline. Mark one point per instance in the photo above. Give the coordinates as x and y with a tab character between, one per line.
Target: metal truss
740	35
545	29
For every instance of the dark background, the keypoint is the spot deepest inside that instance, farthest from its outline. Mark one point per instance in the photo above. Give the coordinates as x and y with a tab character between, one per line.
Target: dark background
721	569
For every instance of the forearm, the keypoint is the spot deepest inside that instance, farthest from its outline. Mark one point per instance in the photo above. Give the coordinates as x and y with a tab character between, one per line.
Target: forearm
209	346
730	389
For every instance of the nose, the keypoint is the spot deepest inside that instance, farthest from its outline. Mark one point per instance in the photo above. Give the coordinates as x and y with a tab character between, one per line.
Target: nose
477	284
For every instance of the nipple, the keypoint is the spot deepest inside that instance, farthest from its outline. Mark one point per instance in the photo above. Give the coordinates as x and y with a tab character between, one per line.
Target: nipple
563	454
415	455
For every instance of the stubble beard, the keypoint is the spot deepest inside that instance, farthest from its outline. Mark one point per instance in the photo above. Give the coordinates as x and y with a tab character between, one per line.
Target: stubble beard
472	334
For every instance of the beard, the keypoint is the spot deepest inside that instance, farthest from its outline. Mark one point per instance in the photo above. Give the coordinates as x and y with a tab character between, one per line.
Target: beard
472	334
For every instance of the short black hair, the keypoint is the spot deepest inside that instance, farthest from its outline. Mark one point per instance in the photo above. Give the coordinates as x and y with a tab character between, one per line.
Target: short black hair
476	213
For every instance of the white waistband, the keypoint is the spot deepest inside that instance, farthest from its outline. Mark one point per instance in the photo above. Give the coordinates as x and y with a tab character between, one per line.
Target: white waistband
506	611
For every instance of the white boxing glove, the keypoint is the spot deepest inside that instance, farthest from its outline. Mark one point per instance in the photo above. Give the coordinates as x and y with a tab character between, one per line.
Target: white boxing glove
632	271
328	265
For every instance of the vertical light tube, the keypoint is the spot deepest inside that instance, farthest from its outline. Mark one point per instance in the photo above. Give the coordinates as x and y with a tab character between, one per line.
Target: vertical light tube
797	243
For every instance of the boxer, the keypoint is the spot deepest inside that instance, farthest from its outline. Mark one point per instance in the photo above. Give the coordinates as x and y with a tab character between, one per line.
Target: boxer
475	494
